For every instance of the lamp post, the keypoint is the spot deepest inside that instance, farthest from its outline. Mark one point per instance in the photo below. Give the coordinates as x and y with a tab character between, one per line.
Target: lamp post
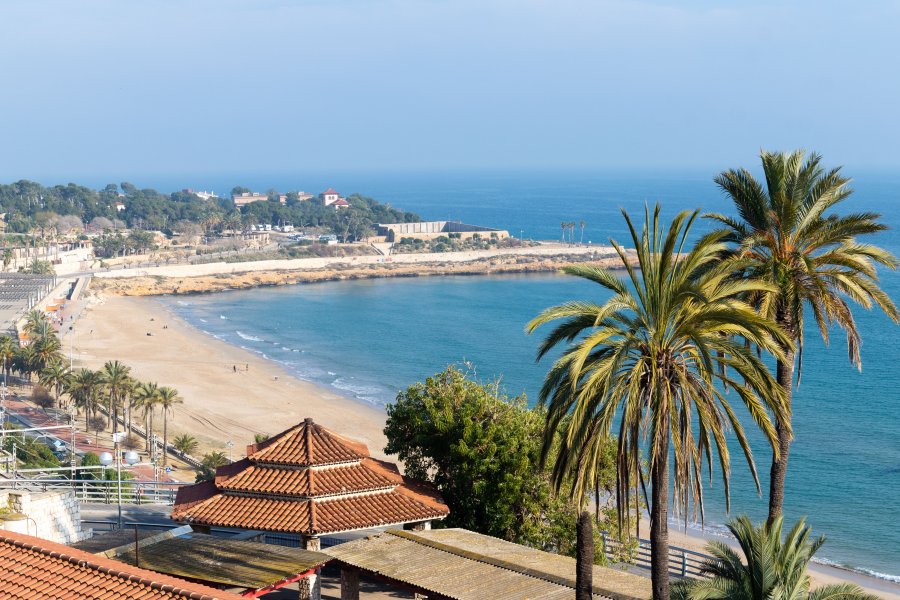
131	457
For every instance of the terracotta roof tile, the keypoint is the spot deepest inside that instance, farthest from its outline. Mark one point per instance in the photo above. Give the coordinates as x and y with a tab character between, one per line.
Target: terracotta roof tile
296	516
34	568
305	445
306	482
278	487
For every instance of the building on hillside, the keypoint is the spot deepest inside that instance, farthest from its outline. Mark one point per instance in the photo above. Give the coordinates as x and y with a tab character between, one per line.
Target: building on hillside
429	230
120	206
340	203
34	568
250	197
330	196
202	195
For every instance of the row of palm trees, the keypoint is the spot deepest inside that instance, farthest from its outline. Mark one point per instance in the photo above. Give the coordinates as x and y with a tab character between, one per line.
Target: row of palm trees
85	390
690	324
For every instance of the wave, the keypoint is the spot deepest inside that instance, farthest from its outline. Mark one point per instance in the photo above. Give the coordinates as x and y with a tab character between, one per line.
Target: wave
861	570
249	338
223	317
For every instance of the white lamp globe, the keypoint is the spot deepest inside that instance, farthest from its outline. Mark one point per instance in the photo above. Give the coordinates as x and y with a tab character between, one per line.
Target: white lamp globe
131	457
106	458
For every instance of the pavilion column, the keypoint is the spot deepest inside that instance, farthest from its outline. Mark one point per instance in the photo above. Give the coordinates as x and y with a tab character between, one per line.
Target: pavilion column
349	583
310	588
311	542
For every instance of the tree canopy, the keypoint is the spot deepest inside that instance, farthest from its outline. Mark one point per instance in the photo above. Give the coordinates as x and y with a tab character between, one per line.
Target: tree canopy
482	451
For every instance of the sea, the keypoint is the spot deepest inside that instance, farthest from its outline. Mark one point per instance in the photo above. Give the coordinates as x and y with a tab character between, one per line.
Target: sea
371	339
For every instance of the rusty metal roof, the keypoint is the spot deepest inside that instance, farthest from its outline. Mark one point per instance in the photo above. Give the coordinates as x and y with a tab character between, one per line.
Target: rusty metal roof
465	565
222	561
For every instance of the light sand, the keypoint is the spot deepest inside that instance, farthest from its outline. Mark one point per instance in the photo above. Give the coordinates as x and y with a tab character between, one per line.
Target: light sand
219	403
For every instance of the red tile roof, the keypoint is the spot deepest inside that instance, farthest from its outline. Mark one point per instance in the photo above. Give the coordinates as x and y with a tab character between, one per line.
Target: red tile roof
306	445
308	480
329	191
310	517
34	568
340	202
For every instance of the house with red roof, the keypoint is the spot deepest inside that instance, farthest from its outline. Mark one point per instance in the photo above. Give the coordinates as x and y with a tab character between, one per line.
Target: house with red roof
34	568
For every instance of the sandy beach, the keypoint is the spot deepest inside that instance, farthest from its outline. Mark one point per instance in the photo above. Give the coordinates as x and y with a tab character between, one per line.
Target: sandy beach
231	394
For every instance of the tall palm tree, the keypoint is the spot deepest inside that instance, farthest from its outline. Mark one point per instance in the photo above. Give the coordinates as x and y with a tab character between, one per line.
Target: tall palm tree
116	380
651	355
775	568
811	259
56	376
168	398
35	320
82	387
147	401
8	347
45	350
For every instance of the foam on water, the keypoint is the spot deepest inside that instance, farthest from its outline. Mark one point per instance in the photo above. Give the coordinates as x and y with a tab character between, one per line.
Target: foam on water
249	338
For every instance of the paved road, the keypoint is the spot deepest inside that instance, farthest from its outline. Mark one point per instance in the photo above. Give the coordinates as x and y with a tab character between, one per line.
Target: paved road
151	513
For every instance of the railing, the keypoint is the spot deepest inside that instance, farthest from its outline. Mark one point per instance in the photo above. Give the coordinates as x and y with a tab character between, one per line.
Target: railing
103	491
682	562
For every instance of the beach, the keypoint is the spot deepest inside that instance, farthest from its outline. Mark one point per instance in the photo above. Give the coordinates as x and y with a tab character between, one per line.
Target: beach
232	394
229	394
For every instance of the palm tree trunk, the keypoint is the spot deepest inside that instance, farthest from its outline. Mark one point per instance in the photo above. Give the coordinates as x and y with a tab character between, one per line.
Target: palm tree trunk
584	557
165	455
785	374
659	525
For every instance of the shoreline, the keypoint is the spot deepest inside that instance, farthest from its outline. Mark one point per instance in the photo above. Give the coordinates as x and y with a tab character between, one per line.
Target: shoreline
214	277
268	398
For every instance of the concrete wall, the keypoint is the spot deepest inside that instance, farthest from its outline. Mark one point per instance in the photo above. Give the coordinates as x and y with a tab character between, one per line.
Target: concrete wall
54	516
430	230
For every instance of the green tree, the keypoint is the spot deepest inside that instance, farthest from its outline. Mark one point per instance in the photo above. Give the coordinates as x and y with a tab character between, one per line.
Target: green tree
481	451
116	381
811	260
56	376
82	387
651	356
147	398
186	444
209	464
775	569
8	348
168	398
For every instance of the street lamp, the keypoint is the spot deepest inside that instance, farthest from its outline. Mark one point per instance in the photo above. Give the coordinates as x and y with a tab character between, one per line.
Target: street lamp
106	458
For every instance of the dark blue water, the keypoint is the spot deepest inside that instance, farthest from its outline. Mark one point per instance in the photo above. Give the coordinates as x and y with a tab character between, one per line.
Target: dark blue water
370	339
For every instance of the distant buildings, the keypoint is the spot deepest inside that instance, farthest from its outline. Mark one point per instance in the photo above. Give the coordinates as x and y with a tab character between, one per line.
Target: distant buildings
201	195
251	197
429	230
332	198
120	206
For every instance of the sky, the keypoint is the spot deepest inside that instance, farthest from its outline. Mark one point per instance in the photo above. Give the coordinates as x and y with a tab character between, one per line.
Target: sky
150	88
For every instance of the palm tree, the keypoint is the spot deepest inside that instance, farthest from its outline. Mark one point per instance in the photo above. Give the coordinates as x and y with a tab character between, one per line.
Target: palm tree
811	260
168	398
581	223
7	258
775	568
8	347
116	380
82	387
652	355
186	444
35	320
56	376
147	399
45	350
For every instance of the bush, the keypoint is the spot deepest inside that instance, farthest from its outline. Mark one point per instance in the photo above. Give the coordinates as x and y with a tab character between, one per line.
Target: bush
41	396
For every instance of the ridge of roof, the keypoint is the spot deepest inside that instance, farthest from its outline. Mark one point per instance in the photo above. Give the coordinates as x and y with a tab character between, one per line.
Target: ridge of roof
307	444
53	551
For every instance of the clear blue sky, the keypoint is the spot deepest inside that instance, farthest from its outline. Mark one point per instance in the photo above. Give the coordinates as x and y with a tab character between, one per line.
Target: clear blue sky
151	87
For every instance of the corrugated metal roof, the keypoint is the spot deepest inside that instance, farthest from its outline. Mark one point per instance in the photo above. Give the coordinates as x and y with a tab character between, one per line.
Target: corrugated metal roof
222	561
465	565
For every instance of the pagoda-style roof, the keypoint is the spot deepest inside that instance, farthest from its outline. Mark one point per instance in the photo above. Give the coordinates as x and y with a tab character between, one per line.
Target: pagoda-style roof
308	480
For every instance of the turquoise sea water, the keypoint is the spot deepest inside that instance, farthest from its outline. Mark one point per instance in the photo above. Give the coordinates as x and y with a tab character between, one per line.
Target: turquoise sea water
369	339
